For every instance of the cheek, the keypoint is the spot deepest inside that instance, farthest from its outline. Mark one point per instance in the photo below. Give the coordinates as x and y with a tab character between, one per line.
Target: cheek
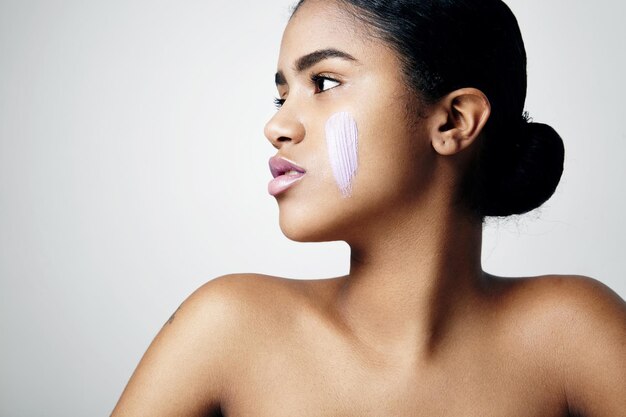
342	140
395	156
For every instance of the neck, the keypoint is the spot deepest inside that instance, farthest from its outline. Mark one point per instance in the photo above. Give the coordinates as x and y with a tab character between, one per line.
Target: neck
407	285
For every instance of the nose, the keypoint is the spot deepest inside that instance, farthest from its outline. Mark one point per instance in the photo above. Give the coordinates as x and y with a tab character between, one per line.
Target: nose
283	128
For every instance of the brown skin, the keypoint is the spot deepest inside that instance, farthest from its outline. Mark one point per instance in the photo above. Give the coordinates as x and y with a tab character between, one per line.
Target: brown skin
416	328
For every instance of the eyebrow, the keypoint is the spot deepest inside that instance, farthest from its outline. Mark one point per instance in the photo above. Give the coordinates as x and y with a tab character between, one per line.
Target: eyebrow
307	61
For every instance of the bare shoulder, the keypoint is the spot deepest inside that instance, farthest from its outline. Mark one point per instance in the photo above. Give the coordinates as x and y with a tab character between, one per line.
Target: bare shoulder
576	308
577	300
577	326
252	293
258	285
255	306
194	359
222	308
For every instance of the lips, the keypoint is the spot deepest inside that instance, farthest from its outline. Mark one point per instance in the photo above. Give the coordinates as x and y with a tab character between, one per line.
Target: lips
285	173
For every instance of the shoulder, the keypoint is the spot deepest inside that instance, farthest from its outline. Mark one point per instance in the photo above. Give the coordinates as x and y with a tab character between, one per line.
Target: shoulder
236	319
247	305
577	326
233	299
246	284
247	292
575	308
210	340
578	300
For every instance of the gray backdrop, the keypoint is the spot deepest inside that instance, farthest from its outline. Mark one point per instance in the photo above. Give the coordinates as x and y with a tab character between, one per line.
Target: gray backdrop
133	168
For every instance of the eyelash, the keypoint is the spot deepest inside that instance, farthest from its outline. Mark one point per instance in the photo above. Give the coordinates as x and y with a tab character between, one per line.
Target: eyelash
315	79
278	102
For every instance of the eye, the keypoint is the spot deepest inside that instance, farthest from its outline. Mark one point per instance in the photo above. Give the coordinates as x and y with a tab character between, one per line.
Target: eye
324	83
321	83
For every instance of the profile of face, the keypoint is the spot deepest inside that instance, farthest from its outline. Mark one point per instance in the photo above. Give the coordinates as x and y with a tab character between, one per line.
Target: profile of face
334	78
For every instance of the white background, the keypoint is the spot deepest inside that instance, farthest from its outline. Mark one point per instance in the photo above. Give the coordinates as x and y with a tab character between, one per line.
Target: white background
133	169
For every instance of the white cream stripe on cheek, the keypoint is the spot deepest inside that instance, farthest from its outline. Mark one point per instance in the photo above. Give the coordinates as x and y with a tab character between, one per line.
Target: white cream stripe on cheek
342	139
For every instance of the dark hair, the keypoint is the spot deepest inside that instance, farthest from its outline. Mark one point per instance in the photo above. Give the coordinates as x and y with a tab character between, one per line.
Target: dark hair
445	45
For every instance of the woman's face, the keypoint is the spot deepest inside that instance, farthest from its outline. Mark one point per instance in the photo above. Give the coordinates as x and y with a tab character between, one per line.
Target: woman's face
330	68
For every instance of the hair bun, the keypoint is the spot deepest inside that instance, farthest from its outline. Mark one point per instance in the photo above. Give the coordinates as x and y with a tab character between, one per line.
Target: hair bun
524	175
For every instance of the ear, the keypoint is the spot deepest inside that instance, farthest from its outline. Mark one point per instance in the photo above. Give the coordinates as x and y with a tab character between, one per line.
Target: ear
458	119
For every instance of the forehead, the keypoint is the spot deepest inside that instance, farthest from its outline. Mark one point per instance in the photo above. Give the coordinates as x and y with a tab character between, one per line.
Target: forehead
320	24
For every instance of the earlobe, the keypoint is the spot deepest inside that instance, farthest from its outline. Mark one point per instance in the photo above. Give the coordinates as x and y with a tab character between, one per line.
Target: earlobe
462	115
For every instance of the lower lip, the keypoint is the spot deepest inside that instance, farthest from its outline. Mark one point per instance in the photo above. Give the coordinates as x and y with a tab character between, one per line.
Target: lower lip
283	182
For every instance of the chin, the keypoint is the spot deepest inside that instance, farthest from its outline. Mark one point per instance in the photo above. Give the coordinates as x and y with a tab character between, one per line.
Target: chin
304	230
311	225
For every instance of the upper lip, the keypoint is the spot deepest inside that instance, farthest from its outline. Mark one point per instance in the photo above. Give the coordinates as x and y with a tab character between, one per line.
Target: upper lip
280	165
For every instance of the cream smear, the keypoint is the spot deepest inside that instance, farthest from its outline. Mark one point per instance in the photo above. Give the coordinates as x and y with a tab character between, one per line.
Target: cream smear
342	140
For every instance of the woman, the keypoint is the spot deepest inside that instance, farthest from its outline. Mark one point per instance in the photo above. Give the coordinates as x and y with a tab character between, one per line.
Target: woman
400	127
